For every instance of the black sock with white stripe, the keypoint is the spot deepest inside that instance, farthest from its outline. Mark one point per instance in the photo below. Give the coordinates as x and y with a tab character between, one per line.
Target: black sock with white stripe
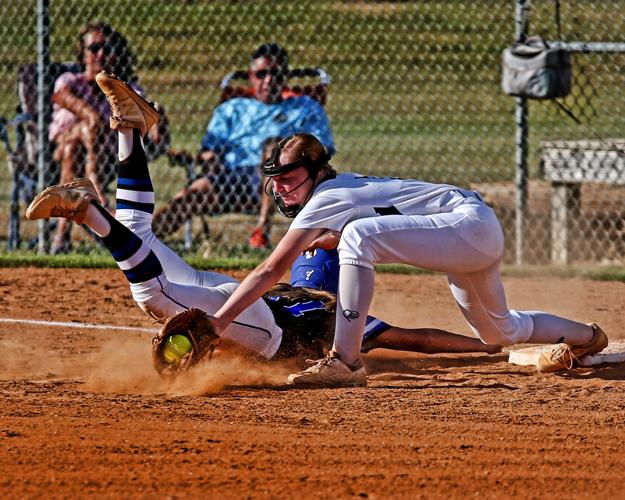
134	186
132	255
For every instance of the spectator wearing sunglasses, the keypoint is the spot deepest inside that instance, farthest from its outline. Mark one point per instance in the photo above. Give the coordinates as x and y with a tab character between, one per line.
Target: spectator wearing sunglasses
79	129
232	146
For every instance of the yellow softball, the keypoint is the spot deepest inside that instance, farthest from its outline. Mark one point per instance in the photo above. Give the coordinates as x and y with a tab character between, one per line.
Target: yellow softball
176	347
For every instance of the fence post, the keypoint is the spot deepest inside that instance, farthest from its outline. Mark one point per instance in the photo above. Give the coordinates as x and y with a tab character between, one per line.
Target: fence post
521	118
43	108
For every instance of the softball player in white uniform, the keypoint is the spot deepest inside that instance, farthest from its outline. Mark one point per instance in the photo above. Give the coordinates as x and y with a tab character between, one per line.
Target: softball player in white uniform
163	284
439	227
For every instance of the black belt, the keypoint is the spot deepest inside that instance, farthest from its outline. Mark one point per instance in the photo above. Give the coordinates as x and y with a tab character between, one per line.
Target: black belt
469	194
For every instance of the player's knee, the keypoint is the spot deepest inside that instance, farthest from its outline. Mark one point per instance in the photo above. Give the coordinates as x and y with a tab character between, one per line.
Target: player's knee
514	328
492	336
355	246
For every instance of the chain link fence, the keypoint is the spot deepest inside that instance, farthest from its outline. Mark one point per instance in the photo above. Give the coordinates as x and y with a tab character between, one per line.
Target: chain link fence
413	90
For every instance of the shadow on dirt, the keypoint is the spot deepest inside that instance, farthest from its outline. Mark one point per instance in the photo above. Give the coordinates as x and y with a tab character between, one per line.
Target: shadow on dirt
376	364
606	371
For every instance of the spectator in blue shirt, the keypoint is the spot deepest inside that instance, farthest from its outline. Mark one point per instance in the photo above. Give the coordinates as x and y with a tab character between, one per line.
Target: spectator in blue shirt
232	146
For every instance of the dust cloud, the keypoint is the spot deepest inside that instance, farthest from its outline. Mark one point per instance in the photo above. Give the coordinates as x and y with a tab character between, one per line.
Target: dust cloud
126	367
25	359
123	364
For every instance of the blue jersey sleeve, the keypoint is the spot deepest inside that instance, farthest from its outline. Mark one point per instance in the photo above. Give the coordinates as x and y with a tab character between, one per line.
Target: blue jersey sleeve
318	269
219	129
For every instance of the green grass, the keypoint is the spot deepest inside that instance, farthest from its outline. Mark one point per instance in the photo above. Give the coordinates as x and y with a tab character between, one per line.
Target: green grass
29	259
607	274
101	260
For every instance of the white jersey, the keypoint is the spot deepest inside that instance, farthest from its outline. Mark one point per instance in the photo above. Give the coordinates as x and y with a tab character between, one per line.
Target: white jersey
350	196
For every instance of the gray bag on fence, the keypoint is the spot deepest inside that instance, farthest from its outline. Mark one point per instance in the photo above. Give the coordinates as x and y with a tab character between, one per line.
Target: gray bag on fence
535	70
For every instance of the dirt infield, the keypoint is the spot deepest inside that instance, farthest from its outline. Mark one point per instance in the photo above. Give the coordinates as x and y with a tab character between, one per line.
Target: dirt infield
84	415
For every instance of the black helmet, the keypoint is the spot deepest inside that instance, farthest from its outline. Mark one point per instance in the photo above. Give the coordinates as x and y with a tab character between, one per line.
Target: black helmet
272	168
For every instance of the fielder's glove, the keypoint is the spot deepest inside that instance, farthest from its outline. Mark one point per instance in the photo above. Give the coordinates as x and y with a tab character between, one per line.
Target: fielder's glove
202	341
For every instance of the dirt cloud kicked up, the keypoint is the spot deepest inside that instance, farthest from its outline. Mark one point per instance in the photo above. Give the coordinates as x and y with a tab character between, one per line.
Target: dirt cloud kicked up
21	359
125	366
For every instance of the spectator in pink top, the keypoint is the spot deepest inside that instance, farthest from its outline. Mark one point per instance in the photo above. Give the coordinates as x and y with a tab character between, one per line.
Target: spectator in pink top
79	128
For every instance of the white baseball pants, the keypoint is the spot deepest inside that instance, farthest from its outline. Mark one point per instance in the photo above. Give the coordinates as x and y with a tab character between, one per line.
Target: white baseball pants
466	244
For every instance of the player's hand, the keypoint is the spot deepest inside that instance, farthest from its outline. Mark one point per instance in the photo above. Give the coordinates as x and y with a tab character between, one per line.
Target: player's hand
327	241
219	324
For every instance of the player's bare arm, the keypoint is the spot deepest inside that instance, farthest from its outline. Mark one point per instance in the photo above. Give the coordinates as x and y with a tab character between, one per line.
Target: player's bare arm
267	274
328	240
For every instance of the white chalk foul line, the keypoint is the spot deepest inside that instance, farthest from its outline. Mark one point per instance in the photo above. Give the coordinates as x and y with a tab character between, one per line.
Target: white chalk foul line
68	324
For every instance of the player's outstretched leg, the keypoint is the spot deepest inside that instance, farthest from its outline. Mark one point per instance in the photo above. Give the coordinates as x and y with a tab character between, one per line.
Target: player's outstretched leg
77	201
149	285
255	329
132	116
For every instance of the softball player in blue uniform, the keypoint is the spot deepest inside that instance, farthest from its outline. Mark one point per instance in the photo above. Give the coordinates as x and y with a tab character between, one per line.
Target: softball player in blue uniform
319	269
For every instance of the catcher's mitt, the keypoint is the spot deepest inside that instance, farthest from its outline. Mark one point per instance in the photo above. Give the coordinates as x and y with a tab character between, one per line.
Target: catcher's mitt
307	318
202	341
